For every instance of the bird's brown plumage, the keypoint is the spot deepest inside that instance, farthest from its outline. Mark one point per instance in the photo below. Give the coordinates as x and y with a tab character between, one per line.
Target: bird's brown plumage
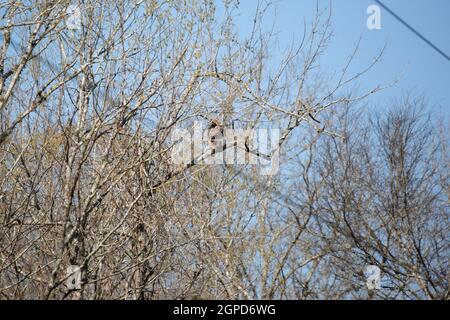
215	135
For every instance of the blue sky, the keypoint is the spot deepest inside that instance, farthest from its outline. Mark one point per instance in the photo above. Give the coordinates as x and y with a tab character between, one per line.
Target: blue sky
422	70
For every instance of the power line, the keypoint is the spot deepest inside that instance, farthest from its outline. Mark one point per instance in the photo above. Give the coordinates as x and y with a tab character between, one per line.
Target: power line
413	30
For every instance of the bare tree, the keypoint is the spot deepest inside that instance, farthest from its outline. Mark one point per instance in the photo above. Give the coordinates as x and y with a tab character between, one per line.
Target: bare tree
383	204
87	118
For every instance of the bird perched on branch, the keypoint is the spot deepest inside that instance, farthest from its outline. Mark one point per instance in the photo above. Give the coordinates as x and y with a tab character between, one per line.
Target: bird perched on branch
217	141
215	135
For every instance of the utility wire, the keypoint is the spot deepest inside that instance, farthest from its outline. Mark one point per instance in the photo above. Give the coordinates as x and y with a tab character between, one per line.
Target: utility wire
413	30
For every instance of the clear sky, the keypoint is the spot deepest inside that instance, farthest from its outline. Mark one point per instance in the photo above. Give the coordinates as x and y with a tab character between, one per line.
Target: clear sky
422	70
